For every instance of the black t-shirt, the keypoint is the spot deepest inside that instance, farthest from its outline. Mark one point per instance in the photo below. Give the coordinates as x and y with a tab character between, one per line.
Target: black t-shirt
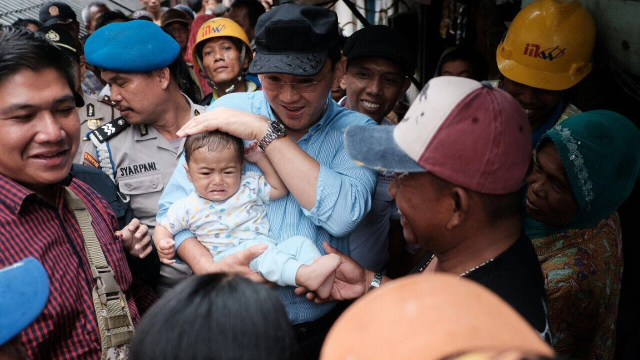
515	276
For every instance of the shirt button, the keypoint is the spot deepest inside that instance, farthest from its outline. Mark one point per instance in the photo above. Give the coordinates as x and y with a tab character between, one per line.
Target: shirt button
129	186
154	185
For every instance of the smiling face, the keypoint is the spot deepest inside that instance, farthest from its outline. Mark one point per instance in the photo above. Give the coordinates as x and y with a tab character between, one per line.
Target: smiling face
423	206
549	196
39	128
373	86
221	61
537	103
298	109
215	174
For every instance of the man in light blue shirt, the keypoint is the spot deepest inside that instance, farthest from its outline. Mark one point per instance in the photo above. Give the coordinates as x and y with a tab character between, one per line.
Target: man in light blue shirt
300	129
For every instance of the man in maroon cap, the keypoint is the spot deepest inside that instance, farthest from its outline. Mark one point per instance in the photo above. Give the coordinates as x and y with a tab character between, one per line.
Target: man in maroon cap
460	156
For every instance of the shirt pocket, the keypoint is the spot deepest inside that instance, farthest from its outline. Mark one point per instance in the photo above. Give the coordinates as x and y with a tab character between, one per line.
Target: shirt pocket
144	192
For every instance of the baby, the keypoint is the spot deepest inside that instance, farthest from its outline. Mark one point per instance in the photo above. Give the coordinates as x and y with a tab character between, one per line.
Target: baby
227	214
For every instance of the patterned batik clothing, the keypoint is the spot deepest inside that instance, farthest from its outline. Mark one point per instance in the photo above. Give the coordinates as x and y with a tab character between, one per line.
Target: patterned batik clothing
31	227
583	274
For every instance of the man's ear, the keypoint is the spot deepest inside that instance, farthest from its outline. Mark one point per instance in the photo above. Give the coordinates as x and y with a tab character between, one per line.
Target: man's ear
405	87
163	76
341	72
459	208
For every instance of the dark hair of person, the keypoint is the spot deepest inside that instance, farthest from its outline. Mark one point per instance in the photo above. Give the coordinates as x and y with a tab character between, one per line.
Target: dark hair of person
195	5
334	54
110	16
496	207
213	141
477	61
215	316
254	9
25	49
23	23
182	76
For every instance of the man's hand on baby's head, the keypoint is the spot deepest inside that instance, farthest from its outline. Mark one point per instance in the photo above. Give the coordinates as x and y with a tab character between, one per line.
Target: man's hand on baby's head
253	153
166	250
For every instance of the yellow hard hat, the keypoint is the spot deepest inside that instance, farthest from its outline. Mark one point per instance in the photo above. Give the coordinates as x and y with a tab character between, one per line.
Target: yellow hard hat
218	27
549	45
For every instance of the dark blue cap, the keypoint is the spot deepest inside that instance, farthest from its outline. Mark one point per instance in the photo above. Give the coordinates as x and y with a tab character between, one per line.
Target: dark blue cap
294	39
133	46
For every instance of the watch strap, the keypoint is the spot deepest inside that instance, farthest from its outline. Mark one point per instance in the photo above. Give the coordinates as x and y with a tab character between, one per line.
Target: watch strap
272	134
377	280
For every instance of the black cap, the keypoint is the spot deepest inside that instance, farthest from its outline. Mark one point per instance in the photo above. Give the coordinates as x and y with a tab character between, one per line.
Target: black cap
63	39
380	41
56	13
294	39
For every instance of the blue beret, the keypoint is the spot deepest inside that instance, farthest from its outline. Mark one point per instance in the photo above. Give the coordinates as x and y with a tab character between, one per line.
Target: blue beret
132	46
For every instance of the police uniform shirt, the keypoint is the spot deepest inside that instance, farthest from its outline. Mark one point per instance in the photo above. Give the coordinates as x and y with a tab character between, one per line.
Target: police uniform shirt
93	114
142	161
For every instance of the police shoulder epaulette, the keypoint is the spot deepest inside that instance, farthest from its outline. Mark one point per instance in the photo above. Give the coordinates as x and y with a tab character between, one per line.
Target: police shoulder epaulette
110	129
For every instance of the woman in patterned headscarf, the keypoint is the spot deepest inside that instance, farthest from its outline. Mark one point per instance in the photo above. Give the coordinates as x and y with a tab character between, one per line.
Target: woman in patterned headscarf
584	169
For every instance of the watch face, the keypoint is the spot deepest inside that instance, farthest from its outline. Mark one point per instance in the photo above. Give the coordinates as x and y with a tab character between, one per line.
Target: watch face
278	128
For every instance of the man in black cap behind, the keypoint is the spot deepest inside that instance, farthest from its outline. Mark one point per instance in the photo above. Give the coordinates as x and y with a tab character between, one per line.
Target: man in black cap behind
300	129
60	13
379	64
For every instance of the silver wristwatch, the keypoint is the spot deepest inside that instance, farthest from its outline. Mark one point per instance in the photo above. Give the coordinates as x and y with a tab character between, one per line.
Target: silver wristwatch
276	130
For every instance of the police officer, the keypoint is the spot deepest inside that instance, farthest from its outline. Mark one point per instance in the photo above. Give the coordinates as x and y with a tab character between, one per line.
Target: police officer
546	51
140	149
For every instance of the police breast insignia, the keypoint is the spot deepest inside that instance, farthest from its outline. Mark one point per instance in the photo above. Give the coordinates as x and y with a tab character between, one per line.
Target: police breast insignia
110	129
91	110
196	112
89	160
94	123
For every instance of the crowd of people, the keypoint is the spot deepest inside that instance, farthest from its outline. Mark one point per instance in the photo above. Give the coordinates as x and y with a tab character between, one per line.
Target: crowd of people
208	182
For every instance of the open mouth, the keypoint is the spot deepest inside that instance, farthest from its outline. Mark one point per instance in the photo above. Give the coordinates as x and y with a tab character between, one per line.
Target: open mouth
293	111
370	105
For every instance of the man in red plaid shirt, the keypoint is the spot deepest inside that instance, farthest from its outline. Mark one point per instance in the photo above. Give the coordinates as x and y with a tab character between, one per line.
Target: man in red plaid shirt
39	132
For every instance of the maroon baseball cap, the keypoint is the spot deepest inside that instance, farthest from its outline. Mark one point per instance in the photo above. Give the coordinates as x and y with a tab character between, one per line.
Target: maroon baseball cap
465	132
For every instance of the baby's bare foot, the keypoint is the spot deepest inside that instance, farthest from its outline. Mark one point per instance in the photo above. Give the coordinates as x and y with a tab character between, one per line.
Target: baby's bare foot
319	276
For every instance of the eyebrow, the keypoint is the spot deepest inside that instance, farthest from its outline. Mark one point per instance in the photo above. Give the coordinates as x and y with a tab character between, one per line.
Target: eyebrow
18	107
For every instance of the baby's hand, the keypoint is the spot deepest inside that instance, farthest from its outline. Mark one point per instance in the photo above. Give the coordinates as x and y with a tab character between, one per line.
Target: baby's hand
166	252
253	153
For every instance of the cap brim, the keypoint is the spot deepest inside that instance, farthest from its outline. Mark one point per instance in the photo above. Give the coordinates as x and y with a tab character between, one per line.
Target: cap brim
292	64
57	20
25	289
375	148
184	21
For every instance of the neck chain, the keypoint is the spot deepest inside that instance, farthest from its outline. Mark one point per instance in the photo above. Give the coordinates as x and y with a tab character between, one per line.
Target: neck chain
461	275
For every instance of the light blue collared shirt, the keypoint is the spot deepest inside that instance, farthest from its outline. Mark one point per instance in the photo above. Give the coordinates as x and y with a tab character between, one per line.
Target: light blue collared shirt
343	193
